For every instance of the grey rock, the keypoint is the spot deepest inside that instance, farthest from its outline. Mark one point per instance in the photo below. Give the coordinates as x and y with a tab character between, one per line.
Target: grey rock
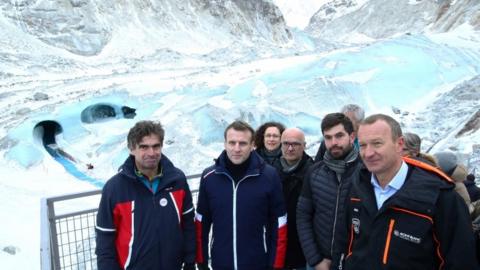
10	250
23	111
40	96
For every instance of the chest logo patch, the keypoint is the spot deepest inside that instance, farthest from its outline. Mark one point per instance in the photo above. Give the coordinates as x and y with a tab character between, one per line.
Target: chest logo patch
408	237
163	202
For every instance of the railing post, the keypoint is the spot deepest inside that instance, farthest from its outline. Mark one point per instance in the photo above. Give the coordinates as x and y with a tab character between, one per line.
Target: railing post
52	223
45	253
53	233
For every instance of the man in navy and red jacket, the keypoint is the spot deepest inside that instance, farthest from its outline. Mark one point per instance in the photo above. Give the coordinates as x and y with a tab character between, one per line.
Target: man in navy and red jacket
145	217
241	198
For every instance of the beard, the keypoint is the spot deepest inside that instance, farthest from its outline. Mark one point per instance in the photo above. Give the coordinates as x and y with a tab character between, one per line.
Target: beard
338	152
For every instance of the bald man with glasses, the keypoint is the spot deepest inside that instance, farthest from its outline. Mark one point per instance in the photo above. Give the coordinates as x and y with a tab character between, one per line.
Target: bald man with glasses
292	166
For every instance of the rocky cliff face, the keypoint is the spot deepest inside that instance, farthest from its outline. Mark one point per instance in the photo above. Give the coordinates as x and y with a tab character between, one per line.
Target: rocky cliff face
258	19
86	27
452	14
342	20
374	19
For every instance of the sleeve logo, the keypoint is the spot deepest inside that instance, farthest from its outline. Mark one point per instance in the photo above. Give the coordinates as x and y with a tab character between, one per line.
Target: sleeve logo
356	225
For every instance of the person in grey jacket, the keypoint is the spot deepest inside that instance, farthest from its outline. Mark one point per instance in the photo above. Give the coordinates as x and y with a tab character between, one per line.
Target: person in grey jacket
320	209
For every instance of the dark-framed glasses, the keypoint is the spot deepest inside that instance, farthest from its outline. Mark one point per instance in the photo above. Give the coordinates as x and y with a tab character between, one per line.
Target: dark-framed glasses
292	144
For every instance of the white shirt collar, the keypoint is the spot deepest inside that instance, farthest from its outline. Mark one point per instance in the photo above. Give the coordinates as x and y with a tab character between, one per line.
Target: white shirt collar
397	181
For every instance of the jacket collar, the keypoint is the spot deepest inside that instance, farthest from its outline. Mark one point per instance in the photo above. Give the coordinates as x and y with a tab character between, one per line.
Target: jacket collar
420	190
170	173
255	167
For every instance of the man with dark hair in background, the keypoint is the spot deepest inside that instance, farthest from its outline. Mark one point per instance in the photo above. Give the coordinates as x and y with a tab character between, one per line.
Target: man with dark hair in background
145	217
320	210
241	198
356	114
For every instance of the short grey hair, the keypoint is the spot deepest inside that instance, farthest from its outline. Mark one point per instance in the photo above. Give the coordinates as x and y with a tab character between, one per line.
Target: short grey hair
357	111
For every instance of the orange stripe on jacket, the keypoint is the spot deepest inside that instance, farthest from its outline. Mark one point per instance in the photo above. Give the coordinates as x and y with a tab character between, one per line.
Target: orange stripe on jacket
387	243
442	261
350	244
428	167
413	213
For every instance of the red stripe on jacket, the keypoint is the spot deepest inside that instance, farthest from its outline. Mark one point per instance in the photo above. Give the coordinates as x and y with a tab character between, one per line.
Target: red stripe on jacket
178	197
123	220
198	229
281	251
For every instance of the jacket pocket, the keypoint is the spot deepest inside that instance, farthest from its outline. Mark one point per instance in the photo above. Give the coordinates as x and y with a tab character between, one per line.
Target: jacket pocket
386	249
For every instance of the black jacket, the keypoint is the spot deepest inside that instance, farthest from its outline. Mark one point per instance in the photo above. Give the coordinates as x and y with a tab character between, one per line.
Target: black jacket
321	210
292	186
425	226
321	151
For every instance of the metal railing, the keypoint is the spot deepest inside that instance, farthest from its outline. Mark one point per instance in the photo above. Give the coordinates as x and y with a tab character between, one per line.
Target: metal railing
68	230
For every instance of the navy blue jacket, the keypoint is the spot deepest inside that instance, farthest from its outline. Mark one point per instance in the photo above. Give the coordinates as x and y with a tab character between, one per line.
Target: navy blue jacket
248	217
137	229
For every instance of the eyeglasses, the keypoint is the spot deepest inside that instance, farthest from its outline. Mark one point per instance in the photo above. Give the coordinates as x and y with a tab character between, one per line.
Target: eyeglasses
292	144
275	136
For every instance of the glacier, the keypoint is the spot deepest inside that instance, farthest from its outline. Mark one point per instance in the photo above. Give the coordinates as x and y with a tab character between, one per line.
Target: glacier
196	66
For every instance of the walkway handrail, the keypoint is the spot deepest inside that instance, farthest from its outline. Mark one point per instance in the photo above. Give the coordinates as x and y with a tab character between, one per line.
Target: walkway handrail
67	240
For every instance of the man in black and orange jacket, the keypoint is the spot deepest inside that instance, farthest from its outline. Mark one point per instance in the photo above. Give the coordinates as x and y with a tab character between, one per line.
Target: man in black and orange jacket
402	213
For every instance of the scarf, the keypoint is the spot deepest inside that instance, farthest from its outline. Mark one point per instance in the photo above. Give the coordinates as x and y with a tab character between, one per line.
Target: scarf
286	168
340	165
270	156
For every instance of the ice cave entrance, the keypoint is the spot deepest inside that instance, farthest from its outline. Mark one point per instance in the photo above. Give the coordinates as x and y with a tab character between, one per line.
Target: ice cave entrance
104	111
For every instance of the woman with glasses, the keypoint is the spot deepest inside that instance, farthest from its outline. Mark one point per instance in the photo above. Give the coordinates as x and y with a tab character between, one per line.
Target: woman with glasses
267	141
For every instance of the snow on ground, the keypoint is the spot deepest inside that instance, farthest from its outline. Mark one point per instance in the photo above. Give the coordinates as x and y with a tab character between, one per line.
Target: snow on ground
21	191
194	97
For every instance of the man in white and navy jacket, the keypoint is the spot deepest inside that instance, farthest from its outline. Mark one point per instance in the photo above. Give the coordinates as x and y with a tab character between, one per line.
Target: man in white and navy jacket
241	198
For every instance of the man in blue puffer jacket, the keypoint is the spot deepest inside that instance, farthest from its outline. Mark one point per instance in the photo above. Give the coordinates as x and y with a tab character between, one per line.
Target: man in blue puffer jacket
241	198
145	217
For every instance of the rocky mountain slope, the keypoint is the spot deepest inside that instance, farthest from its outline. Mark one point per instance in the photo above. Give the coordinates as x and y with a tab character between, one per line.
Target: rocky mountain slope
353	21
87	27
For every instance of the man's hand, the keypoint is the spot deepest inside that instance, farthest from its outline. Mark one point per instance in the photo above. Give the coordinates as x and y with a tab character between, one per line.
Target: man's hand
323	265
